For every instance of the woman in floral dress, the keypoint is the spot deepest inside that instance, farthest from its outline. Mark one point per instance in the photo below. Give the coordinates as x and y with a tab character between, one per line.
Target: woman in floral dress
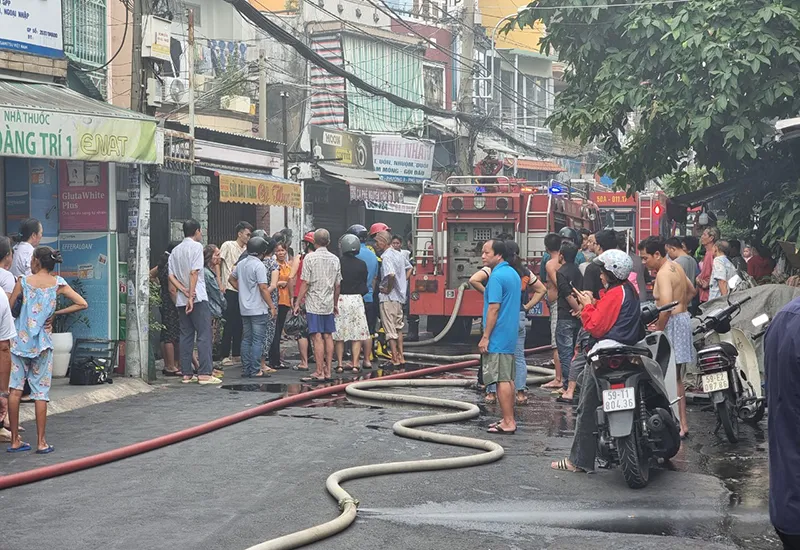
32	349
274	272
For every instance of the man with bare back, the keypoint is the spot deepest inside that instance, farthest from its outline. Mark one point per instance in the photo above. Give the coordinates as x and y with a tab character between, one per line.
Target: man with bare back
672	285
552	244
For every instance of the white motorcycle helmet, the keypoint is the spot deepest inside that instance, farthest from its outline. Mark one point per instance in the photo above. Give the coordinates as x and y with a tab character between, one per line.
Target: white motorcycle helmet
616	262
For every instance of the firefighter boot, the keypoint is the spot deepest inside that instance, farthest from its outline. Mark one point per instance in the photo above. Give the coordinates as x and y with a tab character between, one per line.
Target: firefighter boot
413	329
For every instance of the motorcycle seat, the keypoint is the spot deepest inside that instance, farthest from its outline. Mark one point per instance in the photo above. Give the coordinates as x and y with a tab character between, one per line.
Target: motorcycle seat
722	347
622	349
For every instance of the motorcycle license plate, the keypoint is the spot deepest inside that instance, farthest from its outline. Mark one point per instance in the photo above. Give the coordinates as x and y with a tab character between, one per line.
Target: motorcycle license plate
715	382
623	399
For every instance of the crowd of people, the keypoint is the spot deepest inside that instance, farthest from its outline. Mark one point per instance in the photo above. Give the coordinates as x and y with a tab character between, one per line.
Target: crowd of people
32	296
235	303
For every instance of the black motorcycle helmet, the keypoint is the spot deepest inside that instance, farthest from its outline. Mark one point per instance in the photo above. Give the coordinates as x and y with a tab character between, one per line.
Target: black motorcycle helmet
571	234
359	231
259	233
257	246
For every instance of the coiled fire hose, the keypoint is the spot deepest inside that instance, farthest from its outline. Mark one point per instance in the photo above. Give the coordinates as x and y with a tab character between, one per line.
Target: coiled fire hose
450	322
359	391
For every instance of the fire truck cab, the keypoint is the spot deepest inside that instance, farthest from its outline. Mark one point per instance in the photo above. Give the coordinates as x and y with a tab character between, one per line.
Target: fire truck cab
641	214
453	221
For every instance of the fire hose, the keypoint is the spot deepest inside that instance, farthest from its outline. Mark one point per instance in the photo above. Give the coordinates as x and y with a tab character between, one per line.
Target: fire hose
450	322
79	464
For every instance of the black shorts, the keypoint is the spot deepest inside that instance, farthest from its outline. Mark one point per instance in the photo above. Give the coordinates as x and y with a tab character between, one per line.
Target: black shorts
372	316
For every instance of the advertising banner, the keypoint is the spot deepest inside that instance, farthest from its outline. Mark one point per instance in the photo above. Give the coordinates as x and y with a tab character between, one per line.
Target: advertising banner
83	196
86	268
44	195
40	133
342	148
375	194
402	160
17	199
32	27
259	191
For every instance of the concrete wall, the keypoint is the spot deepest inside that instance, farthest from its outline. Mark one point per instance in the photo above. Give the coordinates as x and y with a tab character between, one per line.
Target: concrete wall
119	75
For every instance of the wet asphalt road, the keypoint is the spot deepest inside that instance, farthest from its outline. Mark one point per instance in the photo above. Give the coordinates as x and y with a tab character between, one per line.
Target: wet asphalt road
265	477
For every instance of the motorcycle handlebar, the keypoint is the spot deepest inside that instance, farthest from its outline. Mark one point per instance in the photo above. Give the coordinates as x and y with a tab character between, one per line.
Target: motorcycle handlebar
668	306
722	314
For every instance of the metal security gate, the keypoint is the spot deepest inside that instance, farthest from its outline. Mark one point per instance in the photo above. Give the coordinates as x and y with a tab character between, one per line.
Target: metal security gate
223	216
328	204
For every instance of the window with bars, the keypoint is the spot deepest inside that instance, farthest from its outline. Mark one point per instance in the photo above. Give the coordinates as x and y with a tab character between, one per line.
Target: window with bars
85	31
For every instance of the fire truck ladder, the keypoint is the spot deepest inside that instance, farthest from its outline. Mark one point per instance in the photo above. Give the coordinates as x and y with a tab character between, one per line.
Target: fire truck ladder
422	252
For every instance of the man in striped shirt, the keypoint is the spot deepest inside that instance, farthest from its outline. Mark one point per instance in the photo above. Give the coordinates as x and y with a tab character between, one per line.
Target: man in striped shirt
320	281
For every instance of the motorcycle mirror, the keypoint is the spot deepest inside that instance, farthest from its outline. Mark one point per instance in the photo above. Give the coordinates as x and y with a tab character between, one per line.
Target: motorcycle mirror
734	281
760	321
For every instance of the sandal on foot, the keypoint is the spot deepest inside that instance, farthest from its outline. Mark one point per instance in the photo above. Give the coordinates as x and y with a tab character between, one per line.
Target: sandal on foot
21	449
298	367
564	465
490	398
210	381
339	369
521	400
496	429
189	380
171	373
565	400
46	451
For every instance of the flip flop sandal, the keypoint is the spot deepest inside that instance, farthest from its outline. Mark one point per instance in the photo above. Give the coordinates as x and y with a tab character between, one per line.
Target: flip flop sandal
171	373
490	398
339	370
565	401
46	451
312	379
523	401
496	429
355	369
368	367
21	449
298	367
558	392
563	466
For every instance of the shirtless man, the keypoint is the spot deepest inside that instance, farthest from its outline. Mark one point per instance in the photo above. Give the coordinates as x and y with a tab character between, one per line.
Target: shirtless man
552	244
672	285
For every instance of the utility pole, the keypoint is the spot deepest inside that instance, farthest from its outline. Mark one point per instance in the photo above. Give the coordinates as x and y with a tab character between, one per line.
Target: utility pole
262	93
284	95
466	140
190	68
137	338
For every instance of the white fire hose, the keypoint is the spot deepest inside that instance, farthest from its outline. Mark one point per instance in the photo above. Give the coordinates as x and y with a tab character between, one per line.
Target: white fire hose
348	505
450	322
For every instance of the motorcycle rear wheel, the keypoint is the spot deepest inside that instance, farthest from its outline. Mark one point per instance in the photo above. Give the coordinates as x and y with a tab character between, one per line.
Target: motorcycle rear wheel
729	418
635	468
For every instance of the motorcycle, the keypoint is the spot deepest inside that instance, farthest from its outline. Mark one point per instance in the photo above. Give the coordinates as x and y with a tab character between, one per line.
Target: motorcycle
638	419
729	369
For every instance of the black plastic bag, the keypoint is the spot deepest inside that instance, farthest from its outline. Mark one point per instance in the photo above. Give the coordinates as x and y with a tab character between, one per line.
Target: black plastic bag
296	325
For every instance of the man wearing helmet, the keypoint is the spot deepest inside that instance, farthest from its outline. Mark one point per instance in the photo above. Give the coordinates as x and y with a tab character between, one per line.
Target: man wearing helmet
615	316
672	285
252	281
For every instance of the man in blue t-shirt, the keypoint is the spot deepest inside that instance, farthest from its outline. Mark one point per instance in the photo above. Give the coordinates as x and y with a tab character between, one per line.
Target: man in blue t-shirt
500	327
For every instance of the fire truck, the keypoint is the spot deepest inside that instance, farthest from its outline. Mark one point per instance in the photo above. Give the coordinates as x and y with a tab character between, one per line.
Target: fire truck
641	215
453	221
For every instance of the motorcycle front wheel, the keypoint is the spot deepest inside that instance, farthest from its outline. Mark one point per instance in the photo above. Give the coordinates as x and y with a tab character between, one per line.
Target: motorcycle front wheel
729	418
635	466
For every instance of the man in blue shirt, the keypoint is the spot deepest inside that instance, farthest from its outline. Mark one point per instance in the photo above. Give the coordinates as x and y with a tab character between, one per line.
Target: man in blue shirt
782	370
367	256
500	327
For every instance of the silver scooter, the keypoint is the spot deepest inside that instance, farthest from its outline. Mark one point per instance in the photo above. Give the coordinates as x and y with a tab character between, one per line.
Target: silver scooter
638	419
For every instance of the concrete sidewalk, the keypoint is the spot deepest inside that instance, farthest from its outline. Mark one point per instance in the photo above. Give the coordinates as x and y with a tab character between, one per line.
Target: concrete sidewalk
65	398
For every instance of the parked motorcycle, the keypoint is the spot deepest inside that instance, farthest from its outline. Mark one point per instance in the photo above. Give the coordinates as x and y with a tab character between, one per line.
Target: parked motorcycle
638	421
729	370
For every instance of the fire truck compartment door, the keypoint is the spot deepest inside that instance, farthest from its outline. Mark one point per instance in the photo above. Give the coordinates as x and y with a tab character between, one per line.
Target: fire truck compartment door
464	244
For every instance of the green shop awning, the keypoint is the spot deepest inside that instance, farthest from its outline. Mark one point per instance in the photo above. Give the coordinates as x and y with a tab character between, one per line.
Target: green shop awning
41	120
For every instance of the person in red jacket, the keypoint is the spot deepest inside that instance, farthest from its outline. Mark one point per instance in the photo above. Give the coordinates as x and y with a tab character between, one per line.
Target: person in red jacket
615	316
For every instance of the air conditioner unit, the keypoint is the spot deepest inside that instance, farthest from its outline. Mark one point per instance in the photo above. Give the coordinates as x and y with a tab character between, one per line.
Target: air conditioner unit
176	91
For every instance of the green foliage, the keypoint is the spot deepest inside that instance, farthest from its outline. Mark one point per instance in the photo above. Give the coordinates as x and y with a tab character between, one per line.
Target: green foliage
704	78
687	180
780	215
731	230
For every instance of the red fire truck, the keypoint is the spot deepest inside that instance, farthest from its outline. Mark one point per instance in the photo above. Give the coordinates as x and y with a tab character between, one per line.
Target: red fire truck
452	222
641	214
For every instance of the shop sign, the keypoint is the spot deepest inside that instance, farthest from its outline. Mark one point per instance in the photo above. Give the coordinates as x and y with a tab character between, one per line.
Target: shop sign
259	191
342	148
36	133
83	196
613	199
32	26
397	207
402	160
375	194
